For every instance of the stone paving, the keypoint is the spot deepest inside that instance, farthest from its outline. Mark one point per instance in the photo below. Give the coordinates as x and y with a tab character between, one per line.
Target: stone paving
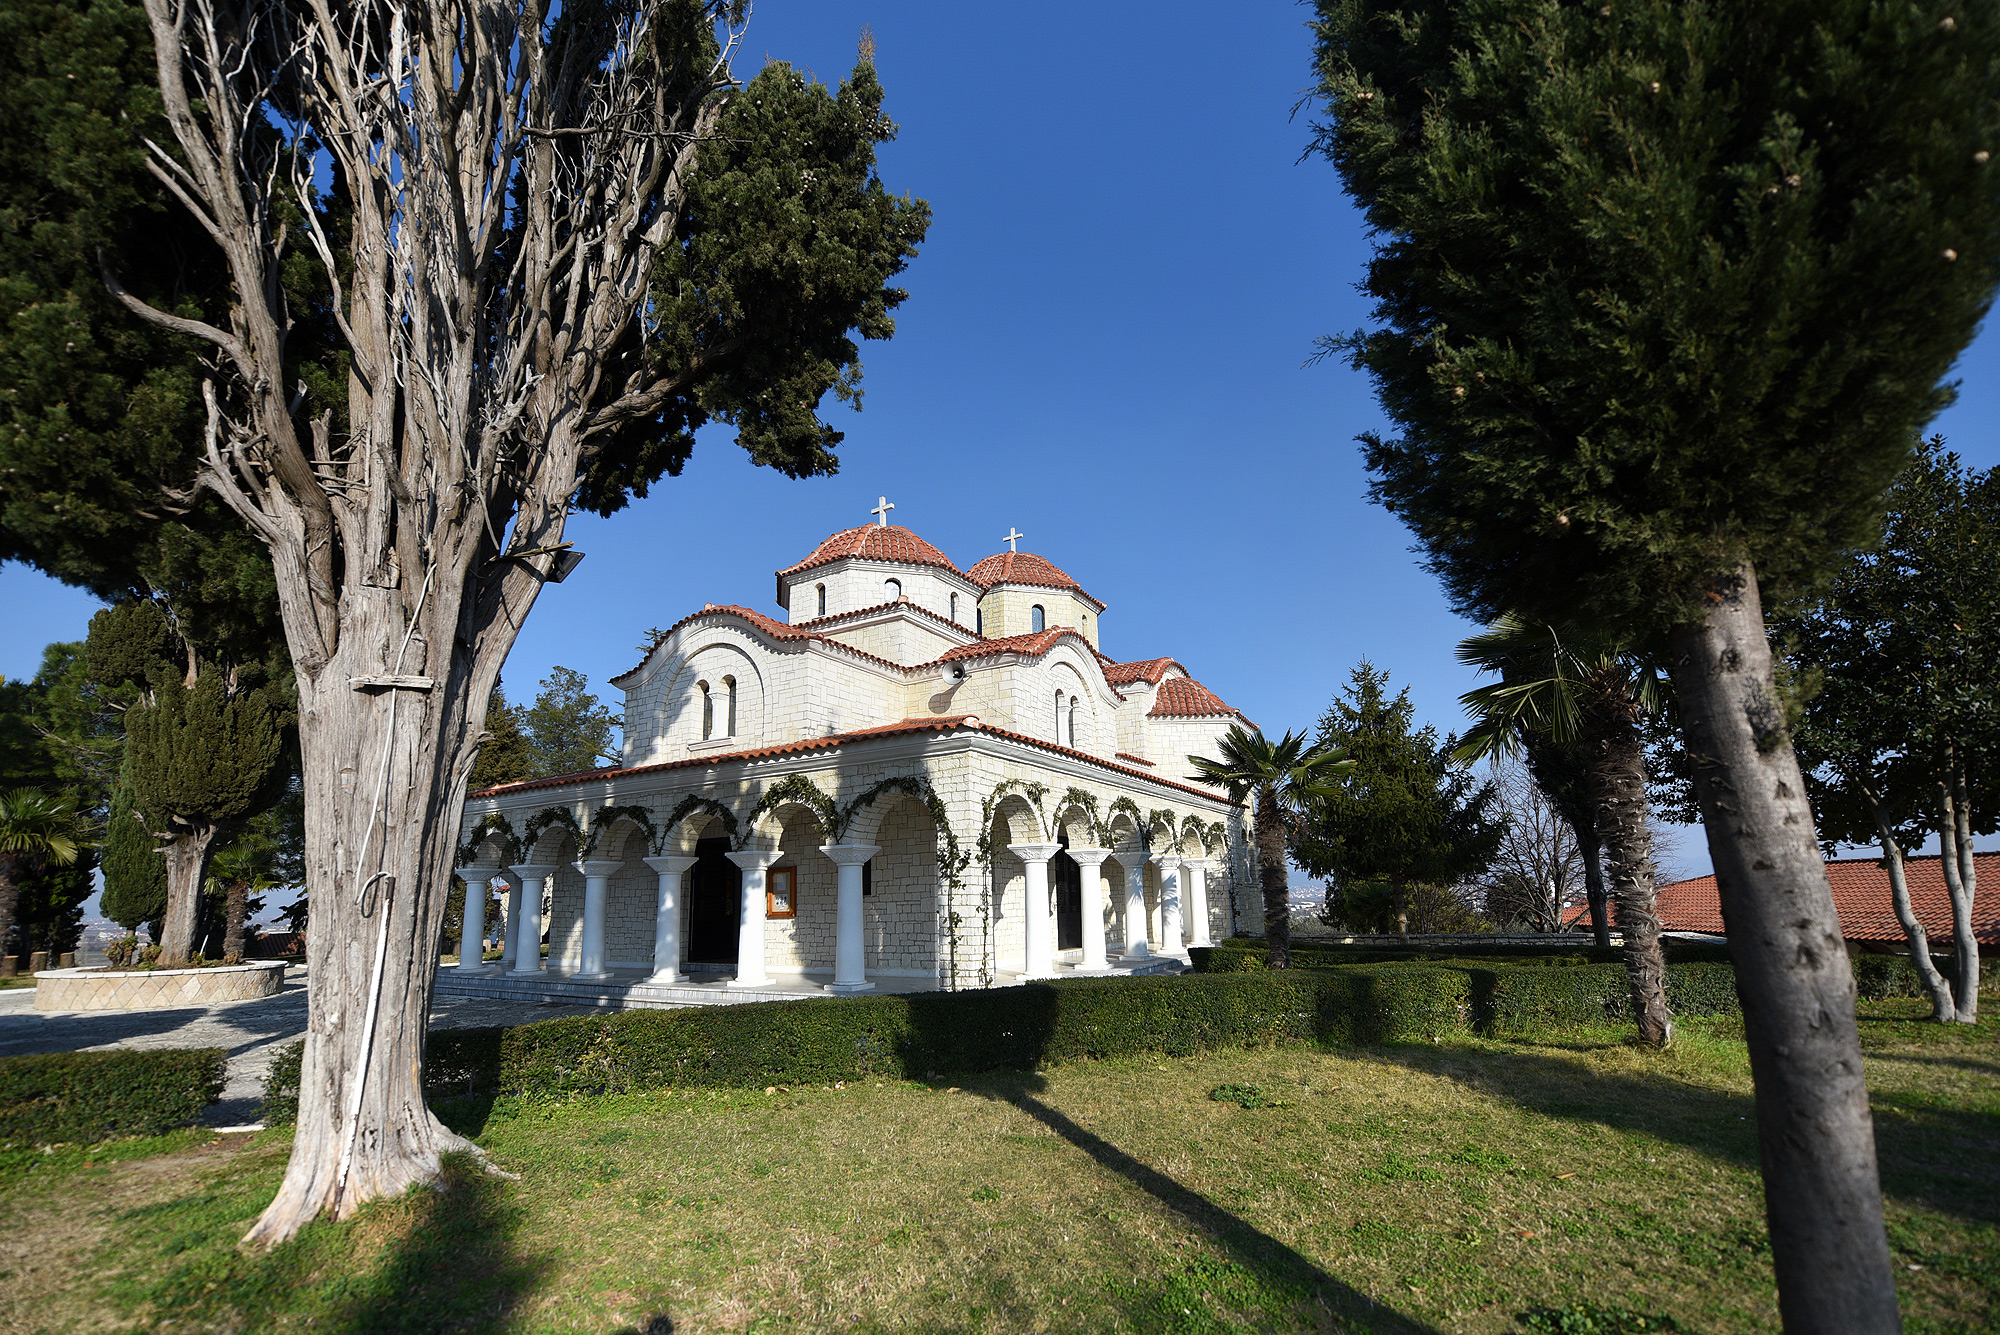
252	1031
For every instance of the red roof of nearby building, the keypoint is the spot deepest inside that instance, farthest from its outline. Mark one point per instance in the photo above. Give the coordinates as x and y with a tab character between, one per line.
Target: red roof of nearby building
944	723
1860	896
878	543
1184	697
777	630
1022	568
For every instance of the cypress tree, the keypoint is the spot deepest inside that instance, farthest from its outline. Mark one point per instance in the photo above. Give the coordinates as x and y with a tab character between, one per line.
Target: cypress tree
505	756
135	873
1665	289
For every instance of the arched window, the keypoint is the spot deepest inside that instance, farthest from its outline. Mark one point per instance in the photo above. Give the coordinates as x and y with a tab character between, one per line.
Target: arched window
1036	617
1072	720
954	609
892	589
707	711
1059	715
822	599
729	700
978	621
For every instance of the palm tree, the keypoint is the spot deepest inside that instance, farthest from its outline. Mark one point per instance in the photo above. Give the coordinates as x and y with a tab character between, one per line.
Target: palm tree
1574	687
1285	776
33	829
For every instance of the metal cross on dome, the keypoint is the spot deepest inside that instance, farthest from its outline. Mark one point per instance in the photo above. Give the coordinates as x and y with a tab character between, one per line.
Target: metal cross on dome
882	509
1012	538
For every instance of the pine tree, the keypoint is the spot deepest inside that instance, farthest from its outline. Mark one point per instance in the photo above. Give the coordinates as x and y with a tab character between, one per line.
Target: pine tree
1664	290
1406	813
566	727
506	755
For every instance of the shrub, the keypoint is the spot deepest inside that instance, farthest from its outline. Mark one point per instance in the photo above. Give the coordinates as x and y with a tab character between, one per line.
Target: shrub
82	1097
922	1035
1879	976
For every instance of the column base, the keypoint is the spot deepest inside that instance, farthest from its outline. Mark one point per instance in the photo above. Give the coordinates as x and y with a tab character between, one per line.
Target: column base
527	973
597	976
670	978
469	971
1135	956
746	983
849	989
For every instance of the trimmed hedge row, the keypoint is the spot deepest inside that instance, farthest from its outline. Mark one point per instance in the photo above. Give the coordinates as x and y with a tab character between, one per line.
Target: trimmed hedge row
923	1035
1247	953
83	1097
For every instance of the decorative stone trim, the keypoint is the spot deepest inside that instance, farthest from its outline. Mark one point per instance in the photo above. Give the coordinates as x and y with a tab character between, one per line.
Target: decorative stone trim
156	989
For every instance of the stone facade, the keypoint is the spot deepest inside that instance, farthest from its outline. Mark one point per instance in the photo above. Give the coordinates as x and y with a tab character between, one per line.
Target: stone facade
963	760
155	989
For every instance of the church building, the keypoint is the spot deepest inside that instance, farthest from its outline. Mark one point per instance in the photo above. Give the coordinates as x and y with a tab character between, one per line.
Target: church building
913	776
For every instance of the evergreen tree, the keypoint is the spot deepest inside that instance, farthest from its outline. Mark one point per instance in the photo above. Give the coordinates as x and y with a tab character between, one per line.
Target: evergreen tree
205	747
1664	290
505	756
566	728
37	833
1406	813
135	871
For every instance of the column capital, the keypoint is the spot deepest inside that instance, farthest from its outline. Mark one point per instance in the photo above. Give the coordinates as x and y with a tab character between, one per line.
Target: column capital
755	859
671	864
850	855
1090	857
535	871
476	875
599	866
1167	861
1034	852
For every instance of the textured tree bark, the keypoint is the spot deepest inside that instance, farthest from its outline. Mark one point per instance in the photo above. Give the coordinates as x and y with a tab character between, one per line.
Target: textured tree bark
1961	883
1272	876
1618	780
10	897
187	865
1935	986
1822	1196
236	906
1593	888
1402	912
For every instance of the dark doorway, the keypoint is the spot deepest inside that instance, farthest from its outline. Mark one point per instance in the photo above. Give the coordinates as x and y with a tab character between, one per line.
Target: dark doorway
715	904
1066	883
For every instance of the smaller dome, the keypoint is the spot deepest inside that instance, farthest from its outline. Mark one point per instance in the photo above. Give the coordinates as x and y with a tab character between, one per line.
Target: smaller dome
1021	568
877	543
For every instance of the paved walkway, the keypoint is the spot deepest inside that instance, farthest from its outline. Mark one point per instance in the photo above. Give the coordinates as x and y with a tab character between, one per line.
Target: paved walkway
252	1031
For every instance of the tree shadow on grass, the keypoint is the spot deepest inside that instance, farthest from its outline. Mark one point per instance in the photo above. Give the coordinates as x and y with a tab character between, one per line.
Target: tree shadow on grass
1262	1274
1940	1158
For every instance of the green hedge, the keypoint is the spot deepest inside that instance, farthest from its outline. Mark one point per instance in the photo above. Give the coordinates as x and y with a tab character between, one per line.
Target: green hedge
1878	976
924	1035
83	1097
1248	953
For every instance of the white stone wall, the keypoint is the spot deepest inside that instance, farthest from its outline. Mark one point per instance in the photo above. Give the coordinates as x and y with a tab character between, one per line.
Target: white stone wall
1008	609
855	583
899	920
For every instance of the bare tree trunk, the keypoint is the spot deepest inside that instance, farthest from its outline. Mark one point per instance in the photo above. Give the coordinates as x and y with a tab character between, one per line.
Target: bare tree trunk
1960	882
1272	873
1402	911
10	897
1822	1196
1593	888
1618	778
187	866
1939	991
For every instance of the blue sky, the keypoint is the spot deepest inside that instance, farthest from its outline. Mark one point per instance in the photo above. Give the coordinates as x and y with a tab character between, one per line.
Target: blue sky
1103	345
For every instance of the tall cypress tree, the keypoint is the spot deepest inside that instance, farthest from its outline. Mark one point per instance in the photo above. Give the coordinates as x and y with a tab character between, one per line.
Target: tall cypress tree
1665	288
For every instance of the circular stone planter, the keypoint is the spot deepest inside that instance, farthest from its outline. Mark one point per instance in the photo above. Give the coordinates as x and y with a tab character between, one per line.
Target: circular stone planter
155	989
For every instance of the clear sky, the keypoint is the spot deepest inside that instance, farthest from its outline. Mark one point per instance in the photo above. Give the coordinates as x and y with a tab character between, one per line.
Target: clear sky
1103	345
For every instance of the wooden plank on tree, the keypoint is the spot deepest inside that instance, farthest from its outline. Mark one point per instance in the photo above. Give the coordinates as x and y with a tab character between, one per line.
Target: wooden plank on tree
394	683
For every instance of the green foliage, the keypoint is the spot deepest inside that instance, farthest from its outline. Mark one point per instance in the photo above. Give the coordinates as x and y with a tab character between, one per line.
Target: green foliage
1244	1096
1592	1319
1658	286
506	756
210	753
1371	907
567	730
1406	813
1879	976
921	1036
135	875
80	1097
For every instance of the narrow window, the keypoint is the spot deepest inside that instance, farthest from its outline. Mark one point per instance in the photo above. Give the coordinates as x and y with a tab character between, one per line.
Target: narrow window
1072	720
978	621
868	877
954	609
1058	715
822	599
729	691
893	589
707	711
1036	617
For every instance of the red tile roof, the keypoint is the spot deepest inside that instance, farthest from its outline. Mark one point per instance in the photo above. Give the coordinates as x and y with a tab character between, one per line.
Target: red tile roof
1137	760
1022	568
903	603
1034	645
893	543
1184	697
1860	896
1149	670
944	723
777	630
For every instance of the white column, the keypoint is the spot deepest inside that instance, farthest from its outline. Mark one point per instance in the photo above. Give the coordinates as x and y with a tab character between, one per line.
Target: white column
510	924
849	967
597	874
1135	906
1091	861
1173	941
472	927
1041	962
667	916
527	950
750	935
1197	898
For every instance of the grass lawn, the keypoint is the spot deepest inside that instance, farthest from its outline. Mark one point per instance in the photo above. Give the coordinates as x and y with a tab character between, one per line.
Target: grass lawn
1441	1187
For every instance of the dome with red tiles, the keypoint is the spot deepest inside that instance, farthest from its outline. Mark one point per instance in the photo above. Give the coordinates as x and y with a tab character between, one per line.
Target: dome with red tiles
1020	568
875	542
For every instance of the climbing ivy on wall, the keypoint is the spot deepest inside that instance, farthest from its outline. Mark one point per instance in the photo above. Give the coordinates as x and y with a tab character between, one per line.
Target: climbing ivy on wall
792	788
492	827
686	807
